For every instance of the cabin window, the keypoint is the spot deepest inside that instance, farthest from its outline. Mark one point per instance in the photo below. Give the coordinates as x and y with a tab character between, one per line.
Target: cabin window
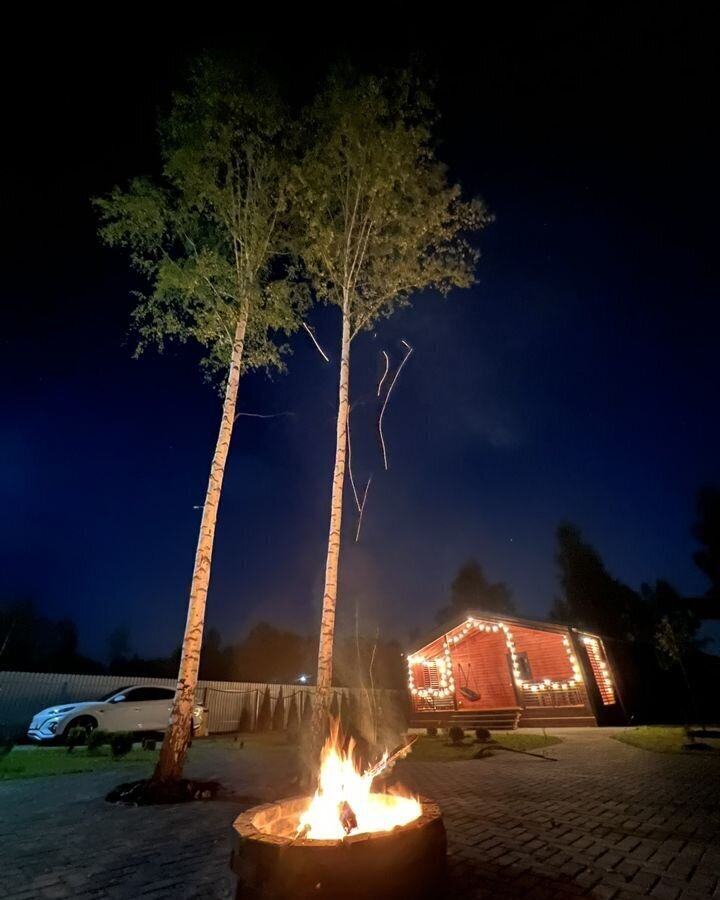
428	677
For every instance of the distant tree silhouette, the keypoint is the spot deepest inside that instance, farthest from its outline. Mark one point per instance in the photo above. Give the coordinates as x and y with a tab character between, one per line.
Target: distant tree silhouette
471	590
270	654
590	597
30	641
707	532
674	624
215	660
118	645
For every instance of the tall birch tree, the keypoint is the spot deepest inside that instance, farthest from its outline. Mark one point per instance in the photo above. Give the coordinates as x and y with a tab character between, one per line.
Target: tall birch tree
208	235
379	222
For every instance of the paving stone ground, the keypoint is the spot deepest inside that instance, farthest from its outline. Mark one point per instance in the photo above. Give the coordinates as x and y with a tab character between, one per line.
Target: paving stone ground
604	821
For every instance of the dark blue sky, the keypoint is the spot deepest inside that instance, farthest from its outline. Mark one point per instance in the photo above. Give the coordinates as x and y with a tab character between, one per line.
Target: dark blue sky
578	379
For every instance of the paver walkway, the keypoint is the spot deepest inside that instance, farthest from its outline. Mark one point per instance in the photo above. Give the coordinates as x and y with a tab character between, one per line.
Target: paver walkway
604	821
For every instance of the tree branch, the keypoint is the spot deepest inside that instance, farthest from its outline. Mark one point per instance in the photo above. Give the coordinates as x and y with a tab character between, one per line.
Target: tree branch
314	340
387	397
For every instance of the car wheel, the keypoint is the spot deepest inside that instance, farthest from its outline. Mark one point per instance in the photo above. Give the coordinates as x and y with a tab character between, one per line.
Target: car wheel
86	722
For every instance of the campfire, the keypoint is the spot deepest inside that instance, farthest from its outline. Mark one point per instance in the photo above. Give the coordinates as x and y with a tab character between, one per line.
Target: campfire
345	803
351	839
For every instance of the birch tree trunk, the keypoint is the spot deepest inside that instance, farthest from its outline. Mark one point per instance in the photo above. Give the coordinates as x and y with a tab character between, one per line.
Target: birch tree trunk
177	736
327	623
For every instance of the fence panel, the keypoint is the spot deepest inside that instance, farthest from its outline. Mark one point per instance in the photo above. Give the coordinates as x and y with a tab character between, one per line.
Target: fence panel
22	694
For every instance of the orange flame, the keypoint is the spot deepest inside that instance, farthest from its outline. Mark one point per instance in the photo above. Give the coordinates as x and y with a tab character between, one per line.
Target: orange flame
341	782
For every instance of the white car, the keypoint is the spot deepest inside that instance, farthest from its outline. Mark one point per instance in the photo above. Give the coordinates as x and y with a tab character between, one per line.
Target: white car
136	708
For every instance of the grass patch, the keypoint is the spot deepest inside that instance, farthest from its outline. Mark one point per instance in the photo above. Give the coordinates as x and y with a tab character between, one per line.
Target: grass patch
658	738
438	749
262	742
36	762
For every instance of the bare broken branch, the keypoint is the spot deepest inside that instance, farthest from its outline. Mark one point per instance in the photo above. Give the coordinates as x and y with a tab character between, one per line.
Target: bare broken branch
350	471
362	509
387	397
263	415
314	340
387	368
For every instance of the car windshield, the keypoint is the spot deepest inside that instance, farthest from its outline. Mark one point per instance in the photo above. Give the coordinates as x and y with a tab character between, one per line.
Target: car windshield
112	693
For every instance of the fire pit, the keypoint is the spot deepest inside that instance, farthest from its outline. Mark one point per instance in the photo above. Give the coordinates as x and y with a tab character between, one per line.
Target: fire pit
272	863
345	842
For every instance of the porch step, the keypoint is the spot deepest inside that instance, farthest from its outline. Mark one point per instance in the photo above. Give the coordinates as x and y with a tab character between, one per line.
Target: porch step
558	721
505	719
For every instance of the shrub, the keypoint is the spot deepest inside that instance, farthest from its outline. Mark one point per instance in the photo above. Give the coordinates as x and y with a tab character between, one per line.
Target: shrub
278	718
121	743
431	731
456	734
75	737
264	721
483	735
293	719
245	723
149	743
95	741
307	713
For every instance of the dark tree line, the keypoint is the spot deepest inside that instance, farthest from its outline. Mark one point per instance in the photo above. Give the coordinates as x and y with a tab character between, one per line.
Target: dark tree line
32	642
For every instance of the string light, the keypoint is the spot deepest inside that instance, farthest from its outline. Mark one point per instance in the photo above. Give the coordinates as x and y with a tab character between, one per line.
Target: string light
443	663
600	670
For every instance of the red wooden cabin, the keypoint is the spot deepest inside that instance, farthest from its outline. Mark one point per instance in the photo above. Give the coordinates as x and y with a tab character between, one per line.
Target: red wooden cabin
501	672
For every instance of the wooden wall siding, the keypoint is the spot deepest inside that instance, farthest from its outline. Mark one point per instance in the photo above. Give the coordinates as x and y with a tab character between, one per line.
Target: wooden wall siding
485	670
545	651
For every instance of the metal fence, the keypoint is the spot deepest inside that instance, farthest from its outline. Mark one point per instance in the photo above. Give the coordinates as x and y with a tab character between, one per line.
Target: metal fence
22	694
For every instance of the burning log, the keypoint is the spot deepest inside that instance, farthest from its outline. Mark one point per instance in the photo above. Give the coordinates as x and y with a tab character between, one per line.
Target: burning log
348	819
388	761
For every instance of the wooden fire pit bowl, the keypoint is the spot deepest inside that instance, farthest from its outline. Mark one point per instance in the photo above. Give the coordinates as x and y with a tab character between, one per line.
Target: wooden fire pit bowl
406	862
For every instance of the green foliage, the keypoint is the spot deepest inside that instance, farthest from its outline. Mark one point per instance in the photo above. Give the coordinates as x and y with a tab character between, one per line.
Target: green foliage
456	734
33	762
376	217
75	737
278	718
471	591
121	743
208	235
97	739
658	738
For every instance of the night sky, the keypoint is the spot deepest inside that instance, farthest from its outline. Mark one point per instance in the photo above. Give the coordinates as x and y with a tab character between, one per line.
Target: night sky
577	380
